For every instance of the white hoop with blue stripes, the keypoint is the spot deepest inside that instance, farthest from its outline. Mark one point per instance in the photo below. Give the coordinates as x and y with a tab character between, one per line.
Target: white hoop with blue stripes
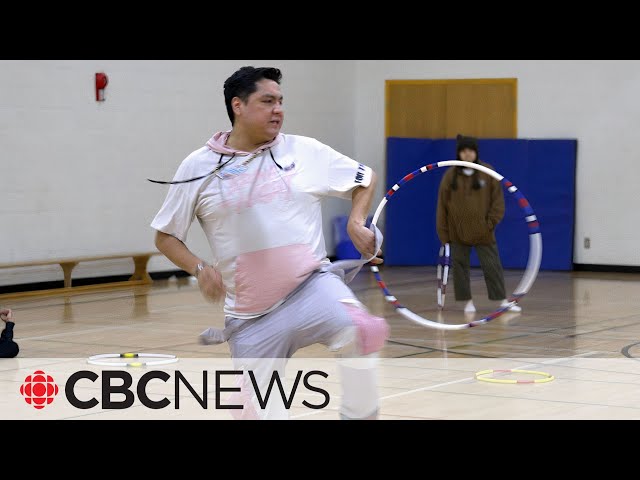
533	262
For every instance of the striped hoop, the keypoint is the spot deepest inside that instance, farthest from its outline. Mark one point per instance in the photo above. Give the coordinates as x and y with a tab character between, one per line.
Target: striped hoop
533	263
442	274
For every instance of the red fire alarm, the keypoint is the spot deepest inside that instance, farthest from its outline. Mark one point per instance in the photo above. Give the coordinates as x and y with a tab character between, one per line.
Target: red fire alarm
101	83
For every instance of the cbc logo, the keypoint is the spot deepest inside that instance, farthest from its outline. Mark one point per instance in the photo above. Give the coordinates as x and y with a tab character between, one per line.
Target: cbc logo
39	389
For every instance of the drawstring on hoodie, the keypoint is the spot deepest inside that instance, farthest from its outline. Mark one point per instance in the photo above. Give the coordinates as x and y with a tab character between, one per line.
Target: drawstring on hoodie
217	144
274	160
175	182
218	168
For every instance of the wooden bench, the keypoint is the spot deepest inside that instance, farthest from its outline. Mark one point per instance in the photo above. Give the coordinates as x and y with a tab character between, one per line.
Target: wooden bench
140	275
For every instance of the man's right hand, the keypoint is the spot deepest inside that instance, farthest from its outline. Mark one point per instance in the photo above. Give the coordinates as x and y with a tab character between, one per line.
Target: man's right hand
211	285
6	315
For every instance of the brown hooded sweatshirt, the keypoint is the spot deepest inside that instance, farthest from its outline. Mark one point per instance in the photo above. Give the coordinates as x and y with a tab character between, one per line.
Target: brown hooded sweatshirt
469	216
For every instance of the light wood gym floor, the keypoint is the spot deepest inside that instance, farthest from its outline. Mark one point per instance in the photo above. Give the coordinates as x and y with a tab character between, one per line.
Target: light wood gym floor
570	321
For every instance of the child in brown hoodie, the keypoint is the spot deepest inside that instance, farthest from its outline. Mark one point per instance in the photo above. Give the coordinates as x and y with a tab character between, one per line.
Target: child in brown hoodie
470	206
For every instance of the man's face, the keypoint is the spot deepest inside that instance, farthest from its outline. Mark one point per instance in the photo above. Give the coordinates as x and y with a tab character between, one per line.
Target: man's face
263	114
468	155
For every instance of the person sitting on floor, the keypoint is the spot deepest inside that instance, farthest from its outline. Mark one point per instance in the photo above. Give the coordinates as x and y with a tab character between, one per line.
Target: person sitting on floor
8	348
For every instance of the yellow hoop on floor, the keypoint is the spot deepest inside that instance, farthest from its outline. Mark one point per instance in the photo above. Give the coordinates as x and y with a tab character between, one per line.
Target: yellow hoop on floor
547	376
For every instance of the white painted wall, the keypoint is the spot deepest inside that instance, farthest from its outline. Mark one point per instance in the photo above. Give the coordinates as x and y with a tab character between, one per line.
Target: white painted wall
72	170
597	102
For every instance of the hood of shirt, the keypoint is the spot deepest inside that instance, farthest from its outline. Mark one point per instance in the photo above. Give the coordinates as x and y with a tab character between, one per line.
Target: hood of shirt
217	143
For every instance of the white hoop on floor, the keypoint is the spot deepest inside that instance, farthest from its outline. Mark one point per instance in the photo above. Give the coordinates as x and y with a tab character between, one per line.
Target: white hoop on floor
163	359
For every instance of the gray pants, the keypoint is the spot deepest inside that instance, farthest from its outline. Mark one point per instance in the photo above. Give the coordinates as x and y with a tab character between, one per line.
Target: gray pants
491	268
314	313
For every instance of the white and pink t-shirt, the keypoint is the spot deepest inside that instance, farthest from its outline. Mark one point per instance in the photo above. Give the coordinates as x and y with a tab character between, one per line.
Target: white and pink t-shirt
264	224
